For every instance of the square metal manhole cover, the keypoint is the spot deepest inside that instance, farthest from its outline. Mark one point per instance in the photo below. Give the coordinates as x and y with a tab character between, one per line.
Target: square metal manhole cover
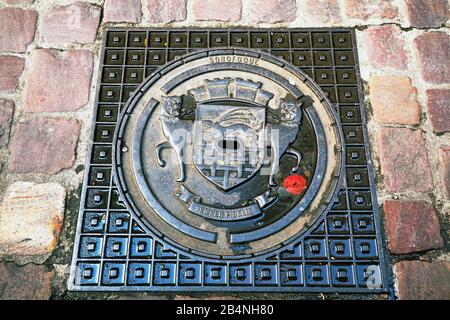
229	160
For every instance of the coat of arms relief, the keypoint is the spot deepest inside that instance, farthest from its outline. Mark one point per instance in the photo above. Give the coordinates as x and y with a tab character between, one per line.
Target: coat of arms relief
234	136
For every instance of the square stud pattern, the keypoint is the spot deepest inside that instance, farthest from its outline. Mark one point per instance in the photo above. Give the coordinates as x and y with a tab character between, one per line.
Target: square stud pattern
342	252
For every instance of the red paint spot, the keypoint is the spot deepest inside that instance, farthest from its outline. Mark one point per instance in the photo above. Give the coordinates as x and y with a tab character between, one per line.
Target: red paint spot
294	184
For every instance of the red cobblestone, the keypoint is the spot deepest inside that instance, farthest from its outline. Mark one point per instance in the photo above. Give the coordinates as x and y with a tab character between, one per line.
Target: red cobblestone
31	282
411	226
427	13
272	11
385	47
122	11
394	100
444	163
44	145
433	48
321	12
438	105
77	22
17	28
58	81
10	70
6	117
217	10
166	11
404	160
421	280
365	9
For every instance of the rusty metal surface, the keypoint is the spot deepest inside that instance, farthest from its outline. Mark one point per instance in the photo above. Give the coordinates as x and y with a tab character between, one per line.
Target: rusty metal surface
241	168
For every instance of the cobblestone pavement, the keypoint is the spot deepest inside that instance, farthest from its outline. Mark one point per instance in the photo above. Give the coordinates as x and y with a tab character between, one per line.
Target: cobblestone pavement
49	57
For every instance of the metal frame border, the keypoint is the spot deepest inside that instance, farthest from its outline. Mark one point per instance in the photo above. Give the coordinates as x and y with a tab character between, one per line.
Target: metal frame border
386	274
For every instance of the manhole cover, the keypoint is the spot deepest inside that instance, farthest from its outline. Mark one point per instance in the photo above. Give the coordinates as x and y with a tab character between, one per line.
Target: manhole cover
229	168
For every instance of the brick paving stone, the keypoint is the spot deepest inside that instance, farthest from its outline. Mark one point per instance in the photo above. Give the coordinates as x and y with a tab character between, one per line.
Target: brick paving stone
427	13
385	47
11	68
30	282
366	9
444	163
6	117
421	280
166	11
272	11
433	48
44	145
411	226
73	23
394	100
321	12
217	10
438	106
404	160
31	218
17	29
58	81
122	11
